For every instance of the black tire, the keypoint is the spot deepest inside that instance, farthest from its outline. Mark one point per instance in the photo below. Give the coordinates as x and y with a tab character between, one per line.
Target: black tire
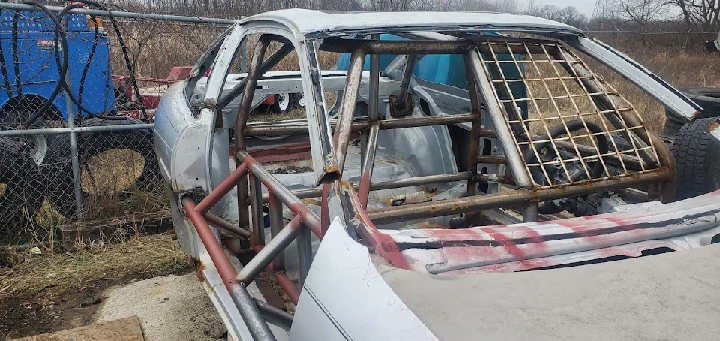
698	159
61	189
23	194
24	183
707	98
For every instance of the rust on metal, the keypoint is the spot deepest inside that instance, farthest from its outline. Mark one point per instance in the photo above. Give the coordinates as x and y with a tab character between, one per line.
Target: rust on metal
712	126
223	188
518	197
212	245
281	153
381	243
490	159
226	226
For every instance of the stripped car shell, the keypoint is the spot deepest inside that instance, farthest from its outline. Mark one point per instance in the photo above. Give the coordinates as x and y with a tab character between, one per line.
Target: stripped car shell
441	176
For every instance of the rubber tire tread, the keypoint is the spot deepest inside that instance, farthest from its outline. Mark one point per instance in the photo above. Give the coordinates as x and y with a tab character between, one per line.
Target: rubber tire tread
697	159
24	191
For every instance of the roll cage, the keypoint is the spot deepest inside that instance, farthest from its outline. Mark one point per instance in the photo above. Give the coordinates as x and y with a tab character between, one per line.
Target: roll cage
542	165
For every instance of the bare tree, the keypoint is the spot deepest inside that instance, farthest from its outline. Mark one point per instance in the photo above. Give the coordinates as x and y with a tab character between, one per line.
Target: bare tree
699	14
569	15
640	12
505	6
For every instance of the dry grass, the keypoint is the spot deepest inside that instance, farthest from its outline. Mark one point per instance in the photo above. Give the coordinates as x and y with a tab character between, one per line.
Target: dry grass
156	47
112	171
52	276
680	66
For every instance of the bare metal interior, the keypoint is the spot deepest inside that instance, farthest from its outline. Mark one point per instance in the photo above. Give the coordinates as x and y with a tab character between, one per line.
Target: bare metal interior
578	135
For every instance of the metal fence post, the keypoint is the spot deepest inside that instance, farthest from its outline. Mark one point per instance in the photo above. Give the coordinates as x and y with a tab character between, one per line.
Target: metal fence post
77	185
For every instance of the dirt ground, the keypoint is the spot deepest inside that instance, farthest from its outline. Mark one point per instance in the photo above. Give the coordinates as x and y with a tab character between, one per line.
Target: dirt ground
45	293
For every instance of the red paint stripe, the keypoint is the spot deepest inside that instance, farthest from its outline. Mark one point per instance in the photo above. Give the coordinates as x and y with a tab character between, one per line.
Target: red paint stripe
384	245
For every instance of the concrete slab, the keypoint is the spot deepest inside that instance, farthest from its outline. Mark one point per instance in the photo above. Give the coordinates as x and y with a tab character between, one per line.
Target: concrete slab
125	329
168	308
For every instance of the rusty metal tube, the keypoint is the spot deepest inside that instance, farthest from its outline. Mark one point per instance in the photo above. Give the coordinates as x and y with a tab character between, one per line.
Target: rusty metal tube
286	284
283	194
384	124
240	123
266	66
255	322
225	225
407	76
274	315
212	245
374	87
519	197
222	189
367	168
474	148
408	182
325	208
492	159
347	110
304	249
514	160
242	299
276	225
256	210
263	258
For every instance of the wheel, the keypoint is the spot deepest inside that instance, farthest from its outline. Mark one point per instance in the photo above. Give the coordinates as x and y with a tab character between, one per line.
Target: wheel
281	104
698	159
97	152
300	100
707	98
22	186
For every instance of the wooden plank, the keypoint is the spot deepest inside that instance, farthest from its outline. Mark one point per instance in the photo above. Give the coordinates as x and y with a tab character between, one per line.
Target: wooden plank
126	329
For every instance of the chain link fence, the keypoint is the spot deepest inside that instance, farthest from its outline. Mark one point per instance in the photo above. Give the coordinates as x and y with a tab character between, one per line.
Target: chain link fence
78	90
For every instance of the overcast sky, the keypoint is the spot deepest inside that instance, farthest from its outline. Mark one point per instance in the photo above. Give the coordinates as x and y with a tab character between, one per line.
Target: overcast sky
584	6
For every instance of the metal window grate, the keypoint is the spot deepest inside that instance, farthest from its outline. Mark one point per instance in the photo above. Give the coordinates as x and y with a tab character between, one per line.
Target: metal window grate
569	125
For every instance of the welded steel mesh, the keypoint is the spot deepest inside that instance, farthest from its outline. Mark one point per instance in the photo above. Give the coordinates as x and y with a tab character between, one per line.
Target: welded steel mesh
115	173
569	125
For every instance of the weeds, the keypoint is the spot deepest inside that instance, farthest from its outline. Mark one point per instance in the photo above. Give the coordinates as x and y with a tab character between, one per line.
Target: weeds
33	274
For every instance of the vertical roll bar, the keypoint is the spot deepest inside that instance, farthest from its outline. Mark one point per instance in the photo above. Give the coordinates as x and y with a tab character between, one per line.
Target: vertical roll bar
347	110
241	121
474	150
514	160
